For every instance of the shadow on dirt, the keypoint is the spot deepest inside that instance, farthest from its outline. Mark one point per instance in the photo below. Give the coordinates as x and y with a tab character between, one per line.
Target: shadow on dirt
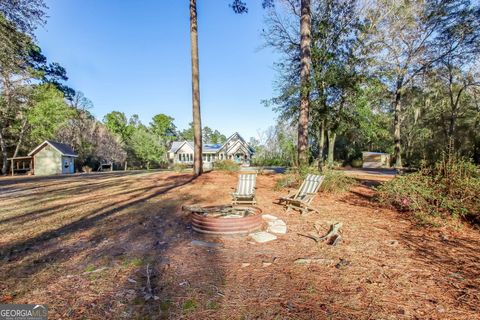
140	246
457	257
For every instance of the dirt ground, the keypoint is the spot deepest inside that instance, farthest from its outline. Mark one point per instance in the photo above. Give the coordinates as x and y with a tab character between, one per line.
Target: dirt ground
82	245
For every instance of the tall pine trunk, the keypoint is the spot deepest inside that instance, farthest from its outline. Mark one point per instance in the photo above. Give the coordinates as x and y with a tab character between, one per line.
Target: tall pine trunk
476	142
332	136
197	123
305	61
397	137
3	142
3	149
321	145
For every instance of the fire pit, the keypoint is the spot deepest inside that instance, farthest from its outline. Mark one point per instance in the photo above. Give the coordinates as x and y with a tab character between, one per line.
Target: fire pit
225	219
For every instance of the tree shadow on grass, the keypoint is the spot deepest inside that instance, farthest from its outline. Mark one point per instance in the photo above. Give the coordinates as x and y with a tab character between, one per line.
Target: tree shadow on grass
370	183
360	199
20	249
32	188
34	182
79	190
108	264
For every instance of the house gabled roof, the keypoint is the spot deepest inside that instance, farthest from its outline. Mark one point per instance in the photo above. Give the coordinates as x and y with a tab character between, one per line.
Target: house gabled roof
63	148
240	138
238	145
206	147
178	144
209	147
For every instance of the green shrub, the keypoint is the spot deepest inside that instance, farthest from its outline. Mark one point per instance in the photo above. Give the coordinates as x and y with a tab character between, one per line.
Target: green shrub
357	163
226	165
286	181
450	188
179	167
336	181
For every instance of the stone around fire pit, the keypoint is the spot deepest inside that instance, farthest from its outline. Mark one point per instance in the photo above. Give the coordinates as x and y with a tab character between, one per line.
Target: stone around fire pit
269	217
263	236
277	226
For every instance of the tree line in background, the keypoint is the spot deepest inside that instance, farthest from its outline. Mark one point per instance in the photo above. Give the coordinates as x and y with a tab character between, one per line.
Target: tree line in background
379	75
147	145
36	105
391	76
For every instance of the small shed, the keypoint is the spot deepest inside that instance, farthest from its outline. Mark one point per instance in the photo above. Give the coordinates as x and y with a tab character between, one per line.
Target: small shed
51	158
375	160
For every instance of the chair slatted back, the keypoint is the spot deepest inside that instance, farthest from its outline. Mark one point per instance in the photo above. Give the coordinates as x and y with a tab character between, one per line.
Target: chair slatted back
311	184
246	184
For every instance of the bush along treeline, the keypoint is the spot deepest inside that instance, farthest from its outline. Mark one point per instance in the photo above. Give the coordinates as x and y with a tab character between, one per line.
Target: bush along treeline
450	189
386	76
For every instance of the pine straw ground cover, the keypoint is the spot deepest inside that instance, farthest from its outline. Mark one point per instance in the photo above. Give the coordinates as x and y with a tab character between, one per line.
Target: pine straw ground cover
82	245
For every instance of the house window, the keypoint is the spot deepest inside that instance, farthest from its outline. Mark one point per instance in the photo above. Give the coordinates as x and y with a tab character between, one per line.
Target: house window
179	157
204	157
208	158
191	157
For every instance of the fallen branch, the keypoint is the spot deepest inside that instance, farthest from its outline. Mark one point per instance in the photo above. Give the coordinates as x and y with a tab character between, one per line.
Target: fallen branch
334	240
333	237
310	236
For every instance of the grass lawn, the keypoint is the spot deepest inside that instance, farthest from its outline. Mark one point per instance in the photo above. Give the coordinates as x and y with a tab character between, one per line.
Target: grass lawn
82	245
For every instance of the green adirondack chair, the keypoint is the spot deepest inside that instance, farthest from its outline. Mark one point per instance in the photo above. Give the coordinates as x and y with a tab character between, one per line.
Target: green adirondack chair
301	200
245	192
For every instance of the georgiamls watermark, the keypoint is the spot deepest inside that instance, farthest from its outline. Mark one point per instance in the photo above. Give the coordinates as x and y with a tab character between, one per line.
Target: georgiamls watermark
23	312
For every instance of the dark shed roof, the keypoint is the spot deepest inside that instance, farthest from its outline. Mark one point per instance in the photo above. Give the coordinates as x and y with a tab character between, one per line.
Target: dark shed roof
63	148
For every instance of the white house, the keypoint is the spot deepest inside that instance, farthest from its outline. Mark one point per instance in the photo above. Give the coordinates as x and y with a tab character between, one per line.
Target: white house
235	149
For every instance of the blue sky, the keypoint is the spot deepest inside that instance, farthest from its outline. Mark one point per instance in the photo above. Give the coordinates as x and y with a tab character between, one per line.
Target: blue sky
134	56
